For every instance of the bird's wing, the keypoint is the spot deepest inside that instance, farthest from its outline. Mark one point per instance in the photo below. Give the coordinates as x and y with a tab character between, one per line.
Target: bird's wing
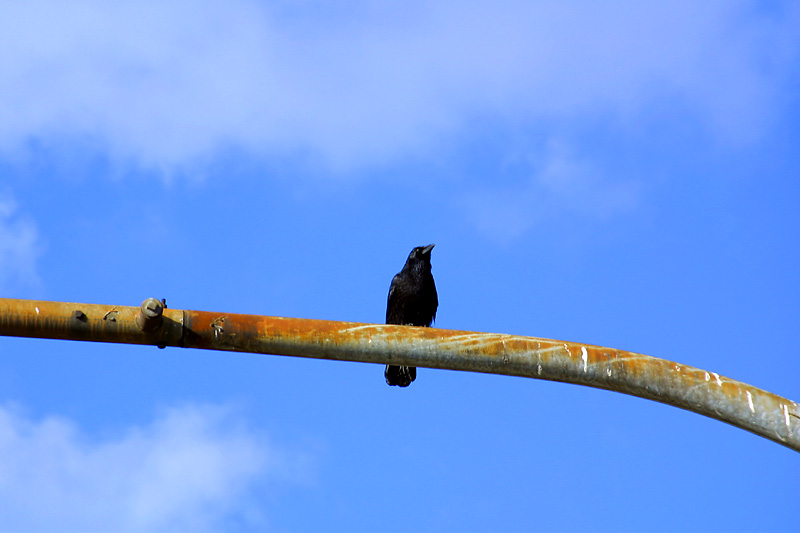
435	301
393	310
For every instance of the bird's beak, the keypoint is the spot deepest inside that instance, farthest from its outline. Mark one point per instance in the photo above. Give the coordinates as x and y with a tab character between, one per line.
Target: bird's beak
428	249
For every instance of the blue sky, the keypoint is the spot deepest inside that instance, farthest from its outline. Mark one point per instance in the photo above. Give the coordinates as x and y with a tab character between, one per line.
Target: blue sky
620	173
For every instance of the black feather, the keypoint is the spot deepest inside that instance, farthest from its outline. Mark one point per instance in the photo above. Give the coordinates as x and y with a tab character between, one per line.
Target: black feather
412	302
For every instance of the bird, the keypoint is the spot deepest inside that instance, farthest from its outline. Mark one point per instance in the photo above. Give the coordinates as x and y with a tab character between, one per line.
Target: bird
412	302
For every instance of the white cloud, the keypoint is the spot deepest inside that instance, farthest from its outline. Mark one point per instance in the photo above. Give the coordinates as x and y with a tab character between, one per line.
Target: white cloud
19	248
191	469
558	184
170	83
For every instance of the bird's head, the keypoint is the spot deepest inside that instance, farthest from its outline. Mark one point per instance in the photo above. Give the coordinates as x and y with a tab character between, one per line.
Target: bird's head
420	254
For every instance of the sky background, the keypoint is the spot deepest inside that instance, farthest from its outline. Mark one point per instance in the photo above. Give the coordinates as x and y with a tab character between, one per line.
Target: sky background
625	174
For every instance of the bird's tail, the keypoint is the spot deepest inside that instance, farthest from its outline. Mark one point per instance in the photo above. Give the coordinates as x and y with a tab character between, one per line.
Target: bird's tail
402	376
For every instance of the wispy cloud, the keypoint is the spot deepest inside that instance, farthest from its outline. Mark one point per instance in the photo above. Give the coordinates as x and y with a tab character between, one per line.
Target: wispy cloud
20	247
166	84
191	469
557	183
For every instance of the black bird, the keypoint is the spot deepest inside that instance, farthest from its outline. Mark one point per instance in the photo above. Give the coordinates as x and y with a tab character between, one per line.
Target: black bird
412	302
